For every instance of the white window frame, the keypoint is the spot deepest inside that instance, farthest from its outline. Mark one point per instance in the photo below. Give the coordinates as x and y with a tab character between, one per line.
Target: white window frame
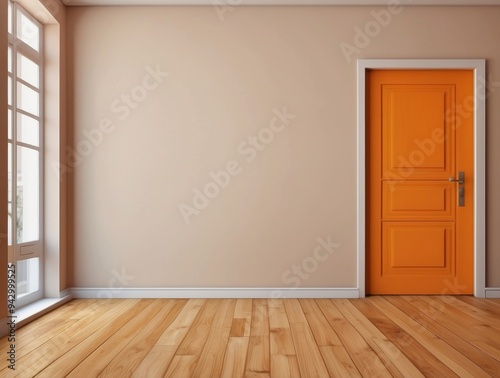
17	45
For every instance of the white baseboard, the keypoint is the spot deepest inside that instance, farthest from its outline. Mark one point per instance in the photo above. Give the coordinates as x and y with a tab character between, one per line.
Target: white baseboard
492	292
130	292
65	293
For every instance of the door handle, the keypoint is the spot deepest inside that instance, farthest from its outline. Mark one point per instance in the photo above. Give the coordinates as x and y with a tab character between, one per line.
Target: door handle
461	189
460	180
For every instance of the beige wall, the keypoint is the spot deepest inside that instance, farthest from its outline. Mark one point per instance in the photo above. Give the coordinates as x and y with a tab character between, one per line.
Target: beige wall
225	78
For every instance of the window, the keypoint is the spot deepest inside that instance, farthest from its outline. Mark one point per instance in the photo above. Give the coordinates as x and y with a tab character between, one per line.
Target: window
25	149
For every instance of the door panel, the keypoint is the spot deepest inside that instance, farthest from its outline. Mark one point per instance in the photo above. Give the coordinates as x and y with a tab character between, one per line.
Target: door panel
419	239
417	247
419	201
417	143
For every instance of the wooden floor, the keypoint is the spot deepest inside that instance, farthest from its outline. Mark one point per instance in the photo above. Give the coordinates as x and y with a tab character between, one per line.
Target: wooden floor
397	336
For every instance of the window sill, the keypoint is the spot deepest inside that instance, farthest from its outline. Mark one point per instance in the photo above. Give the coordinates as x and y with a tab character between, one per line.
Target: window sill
37	309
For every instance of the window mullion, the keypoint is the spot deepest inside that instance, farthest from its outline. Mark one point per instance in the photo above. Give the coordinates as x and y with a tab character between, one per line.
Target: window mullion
41	135
27	51
27	145
31	86
14	132
28	114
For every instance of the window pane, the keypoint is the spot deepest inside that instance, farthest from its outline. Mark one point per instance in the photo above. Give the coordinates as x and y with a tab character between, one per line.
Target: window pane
28	276
9	124
9	179
28	130
9	89
27	70
9	25
27	99
9	58
27	31
27	194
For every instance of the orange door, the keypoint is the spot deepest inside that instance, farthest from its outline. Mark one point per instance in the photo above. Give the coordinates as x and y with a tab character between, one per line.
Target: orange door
420	224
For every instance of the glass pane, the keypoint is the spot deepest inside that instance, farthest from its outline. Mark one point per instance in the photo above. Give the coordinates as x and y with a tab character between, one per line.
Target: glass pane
9	58
27	31
28	130
9	25
27	195
9	179
27	99
27	70
9	124
28	276
9	89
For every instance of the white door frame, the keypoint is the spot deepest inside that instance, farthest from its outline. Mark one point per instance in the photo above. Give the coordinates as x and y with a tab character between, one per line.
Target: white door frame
478	66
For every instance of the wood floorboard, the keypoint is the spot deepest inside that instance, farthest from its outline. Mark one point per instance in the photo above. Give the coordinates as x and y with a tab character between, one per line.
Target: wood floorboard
37	333
491	307
128	360
396	362
449	356
109	350
58	346
211	359
477	332
380	336
112	330
427	320
365	358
